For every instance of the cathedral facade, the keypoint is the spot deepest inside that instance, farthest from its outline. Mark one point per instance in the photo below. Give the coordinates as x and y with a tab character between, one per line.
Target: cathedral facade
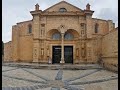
63	33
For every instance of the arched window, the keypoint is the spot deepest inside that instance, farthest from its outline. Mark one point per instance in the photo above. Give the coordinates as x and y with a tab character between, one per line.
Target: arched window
29	28
62	10
68	36
56	36
96	28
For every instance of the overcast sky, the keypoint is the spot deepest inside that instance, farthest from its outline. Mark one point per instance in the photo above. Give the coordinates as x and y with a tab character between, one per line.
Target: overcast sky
14	11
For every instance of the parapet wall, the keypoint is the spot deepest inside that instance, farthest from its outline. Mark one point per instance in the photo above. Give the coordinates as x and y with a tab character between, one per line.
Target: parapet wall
110	50
8	51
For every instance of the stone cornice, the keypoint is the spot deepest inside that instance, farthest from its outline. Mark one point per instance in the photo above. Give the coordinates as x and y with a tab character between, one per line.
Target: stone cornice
64	13
71	13
36	12
90	12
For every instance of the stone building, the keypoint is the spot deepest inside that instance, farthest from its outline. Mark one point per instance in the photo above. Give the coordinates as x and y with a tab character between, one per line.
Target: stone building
63	33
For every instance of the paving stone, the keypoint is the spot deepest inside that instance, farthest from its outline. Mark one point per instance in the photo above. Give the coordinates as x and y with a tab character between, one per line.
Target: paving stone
39	79
59	75
55	88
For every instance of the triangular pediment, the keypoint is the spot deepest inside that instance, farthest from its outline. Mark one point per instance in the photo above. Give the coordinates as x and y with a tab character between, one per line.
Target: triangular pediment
63	4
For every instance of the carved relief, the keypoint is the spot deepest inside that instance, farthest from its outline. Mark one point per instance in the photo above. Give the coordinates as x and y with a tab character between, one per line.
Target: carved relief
82	32
35	52
62	29
89	51
83	49
48	51
83	52
83	29
43	19
42	44
77	52
83	45
82	26
42	29
42	51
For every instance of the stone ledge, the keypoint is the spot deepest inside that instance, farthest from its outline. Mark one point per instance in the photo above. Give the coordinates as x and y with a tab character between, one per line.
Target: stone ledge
55	66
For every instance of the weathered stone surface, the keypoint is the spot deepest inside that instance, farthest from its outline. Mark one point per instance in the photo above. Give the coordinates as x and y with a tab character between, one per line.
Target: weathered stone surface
88	46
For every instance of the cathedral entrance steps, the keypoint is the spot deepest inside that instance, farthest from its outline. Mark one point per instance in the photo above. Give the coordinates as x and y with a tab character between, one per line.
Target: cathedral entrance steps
55	66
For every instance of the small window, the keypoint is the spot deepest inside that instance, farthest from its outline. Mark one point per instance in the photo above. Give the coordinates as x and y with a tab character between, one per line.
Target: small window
62	10
56	36
29	28
68	36
96	28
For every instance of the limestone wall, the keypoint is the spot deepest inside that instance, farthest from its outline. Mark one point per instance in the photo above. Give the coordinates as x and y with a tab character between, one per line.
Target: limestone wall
8	51
110	50
22	42
15	43
70	22
25	48
103	27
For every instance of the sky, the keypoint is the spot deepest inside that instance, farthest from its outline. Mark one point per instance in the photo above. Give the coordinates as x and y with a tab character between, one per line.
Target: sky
14	11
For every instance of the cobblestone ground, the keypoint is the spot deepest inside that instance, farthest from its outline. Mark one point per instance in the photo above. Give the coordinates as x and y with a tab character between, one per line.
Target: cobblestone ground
16	78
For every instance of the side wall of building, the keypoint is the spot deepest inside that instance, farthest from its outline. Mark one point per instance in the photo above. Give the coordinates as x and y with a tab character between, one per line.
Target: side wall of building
8	51
25	48
25	42
110	50
93	41
22	42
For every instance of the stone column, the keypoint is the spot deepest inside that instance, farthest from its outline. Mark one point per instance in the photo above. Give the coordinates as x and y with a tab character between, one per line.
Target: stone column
62	48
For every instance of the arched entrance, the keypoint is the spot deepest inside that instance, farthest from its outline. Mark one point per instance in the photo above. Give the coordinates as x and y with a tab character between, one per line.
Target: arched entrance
62	45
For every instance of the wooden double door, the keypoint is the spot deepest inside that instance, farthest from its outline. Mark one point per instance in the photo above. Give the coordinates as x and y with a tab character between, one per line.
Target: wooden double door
68	54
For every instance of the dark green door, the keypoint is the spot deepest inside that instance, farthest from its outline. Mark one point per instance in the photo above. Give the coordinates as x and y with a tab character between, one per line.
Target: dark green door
56	54
68	54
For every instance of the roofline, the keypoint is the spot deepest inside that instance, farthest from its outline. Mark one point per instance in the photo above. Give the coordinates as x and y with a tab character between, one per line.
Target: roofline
114	30
8	42
100	19
24	21
61	2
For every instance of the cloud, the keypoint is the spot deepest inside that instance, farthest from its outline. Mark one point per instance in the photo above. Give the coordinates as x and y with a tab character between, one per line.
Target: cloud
107	14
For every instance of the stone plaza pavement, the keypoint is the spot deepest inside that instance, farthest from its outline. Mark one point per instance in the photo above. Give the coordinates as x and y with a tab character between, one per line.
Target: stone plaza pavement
21	78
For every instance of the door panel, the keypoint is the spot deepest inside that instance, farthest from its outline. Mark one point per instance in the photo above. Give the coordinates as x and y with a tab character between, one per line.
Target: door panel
68	54
56	54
